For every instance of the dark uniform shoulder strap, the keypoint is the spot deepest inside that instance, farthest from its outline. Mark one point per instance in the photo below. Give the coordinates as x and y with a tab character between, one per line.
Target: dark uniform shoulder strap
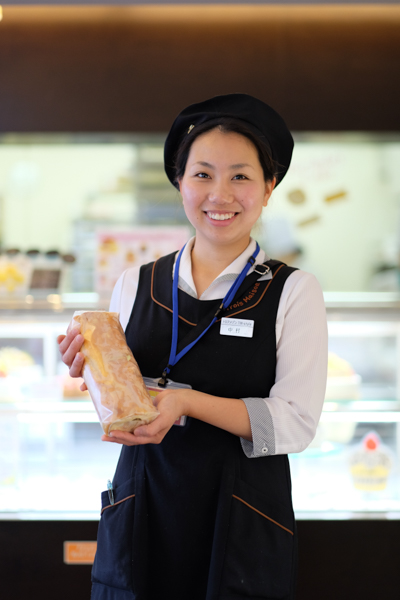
276	264
162	267
257	290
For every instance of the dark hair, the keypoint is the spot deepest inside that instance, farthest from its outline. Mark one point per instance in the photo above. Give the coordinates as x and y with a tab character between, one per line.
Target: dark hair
226	125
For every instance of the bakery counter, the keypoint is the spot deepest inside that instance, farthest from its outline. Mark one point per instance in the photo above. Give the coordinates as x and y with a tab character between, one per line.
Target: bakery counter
53	464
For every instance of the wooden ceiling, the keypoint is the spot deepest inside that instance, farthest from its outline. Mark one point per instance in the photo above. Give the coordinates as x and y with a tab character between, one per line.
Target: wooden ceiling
133	68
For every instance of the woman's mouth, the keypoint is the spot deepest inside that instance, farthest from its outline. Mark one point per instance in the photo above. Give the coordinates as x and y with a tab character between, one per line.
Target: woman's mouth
220	216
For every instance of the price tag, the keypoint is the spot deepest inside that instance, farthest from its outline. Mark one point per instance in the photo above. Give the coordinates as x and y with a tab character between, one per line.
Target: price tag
237	327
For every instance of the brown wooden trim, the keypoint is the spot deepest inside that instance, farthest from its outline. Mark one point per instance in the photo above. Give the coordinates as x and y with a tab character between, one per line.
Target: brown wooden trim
262	514
163	305
115	504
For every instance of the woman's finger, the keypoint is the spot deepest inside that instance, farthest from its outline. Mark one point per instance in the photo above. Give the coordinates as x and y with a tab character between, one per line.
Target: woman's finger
76	366
69	349
120	437
83	387
134	439
64	341
153	429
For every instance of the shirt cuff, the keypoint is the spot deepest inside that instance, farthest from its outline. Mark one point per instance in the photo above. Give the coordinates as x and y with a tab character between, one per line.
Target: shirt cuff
262	429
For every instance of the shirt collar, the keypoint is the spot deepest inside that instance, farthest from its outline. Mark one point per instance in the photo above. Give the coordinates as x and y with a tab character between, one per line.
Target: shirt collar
228	275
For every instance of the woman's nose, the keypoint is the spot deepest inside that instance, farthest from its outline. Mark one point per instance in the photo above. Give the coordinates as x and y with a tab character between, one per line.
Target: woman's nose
220	193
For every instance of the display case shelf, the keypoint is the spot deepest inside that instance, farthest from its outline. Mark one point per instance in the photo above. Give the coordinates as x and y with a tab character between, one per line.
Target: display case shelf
75	411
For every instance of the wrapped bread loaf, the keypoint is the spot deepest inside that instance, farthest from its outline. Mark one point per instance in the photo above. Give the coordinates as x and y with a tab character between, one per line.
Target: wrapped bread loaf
112	374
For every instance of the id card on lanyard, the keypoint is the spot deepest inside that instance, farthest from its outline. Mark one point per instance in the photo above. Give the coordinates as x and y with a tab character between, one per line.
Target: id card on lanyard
154	389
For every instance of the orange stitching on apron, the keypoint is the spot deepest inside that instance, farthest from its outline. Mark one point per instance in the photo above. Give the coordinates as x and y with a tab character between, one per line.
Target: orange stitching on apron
115	504
163	305
262	514
260	298
218	320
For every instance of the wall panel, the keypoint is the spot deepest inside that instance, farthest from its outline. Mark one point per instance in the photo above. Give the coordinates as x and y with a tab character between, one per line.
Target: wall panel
127	74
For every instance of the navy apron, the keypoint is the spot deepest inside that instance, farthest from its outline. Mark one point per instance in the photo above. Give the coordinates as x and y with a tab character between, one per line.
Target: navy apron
194	518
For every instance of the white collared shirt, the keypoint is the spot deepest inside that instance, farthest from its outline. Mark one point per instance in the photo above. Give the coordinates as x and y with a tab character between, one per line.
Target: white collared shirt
286	421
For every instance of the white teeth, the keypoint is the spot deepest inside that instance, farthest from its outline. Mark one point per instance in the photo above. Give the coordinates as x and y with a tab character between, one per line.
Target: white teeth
221	217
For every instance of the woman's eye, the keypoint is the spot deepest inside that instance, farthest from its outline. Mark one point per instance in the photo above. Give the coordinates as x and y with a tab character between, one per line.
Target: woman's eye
240	176
202	175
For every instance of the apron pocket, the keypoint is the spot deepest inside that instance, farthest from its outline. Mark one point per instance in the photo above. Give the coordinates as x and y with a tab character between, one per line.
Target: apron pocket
113	561
260	546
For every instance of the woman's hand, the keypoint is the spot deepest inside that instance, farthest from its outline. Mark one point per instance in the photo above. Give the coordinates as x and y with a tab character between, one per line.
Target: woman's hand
229	414
171	404
69	346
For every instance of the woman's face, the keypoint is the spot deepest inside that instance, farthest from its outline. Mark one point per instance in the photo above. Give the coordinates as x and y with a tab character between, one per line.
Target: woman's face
223	188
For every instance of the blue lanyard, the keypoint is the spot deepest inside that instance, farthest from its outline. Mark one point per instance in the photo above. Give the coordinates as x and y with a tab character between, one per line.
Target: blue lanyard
174	357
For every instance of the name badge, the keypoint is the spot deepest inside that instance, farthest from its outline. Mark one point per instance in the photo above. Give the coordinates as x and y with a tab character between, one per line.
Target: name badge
237	327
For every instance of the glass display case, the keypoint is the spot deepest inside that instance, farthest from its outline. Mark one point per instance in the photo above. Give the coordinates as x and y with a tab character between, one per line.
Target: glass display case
351	469
53	464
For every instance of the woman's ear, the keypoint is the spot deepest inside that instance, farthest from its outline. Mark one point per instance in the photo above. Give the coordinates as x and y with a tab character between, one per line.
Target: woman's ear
178	187
269	188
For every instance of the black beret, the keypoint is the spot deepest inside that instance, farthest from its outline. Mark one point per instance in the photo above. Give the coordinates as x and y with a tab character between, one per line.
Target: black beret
263	120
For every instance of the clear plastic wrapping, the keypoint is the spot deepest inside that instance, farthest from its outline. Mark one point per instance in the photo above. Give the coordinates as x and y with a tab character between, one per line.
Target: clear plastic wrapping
112	374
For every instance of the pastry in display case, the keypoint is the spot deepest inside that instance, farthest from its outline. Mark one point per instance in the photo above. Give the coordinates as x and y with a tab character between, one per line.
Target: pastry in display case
343	382
14	360
15	270
14	365
370	464
71	388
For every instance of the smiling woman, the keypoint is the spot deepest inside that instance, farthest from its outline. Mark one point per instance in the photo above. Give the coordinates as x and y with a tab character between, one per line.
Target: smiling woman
247	337
223	197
